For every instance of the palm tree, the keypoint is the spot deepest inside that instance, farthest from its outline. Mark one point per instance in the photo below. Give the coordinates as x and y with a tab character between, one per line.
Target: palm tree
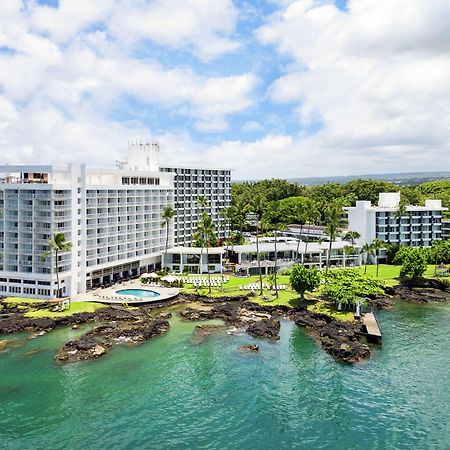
439	251
312	215
367	250
206	229
242	207
349	250
377	245
257	206
58	244
272	222
202	201
228	214
400	212
335	221
352	236
167	215
300	217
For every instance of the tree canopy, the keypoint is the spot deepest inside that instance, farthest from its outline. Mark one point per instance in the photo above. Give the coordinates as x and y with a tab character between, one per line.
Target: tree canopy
349	286
303	279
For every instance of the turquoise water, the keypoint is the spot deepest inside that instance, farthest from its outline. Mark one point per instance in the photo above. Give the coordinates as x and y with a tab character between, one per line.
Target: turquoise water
142	293
170	393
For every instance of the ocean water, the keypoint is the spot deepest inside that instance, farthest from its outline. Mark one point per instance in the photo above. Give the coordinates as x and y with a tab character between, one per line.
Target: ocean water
175	393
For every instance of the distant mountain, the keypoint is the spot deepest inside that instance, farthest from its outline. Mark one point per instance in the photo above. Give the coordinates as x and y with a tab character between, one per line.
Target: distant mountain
402	179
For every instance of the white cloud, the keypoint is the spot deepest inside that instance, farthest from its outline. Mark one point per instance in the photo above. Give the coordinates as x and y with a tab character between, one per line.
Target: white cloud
204	26
374	76
60	80
71	16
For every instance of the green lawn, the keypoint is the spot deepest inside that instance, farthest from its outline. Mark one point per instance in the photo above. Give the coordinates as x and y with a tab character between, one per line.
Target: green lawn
22	300
76	307
324	308
390	274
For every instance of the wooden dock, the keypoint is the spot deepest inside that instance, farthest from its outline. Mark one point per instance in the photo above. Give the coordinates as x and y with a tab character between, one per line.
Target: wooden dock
373	330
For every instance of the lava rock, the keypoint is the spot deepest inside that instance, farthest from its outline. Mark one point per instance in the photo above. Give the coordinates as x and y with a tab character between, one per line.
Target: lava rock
266	328
249	348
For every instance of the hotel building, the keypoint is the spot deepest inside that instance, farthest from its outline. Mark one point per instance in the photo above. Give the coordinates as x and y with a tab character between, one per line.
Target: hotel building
191	183
418	227
112	216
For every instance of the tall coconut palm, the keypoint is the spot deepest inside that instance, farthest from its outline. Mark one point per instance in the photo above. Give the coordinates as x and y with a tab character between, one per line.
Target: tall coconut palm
202	202
400	212
242	207
167	215
350	251
335	222
257	207
228	214
299	216
273	222
312	215
440	252
352	236
366	250
377	245
58	244
206	229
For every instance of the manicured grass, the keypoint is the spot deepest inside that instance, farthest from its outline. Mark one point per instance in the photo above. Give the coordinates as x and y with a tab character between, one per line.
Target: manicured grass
287	297
76	307
324	308
22	300
390	274
385	271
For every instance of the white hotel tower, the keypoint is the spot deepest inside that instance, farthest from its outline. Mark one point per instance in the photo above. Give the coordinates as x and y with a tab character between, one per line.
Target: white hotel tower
112	216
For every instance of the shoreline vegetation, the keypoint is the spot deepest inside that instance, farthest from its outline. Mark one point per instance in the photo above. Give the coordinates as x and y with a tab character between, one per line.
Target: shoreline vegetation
338	332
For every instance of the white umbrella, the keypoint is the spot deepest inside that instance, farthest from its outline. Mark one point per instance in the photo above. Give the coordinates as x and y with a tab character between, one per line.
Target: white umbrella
153	275
169	279
145	275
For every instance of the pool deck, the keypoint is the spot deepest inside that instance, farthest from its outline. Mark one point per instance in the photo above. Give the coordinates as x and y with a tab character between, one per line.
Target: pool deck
110	297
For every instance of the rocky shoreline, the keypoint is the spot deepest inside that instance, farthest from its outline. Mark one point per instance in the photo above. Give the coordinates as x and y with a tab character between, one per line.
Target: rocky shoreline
118	325
340	339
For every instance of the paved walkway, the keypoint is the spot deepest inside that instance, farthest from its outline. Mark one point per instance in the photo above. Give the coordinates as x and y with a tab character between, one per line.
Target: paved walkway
110	296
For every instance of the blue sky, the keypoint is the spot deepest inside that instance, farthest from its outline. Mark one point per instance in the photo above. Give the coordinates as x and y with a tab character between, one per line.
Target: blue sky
273	88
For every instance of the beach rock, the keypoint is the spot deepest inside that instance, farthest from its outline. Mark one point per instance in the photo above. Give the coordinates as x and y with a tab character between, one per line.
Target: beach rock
249	348
420	294
98	351
96	342
197	314
204	332
164	315
266	328
432	283
339	339
381	303
3	344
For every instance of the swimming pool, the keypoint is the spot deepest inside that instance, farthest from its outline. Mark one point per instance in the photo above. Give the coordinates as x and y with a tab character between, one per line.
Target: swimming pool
140	293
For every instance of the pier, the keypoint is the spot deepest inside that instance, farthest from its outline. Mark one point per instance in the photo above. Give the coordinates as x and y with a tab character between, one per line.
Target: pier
373	331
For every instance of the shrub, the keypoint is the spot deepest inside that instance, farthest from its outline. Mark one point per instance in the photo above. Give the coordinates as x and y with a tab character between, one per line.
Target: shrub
414	264
303	279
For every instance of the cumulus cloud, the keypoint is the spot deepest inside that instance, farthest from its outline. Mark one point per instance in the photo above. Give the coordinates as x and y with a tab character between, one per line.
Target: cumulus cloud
65	70
204	26
367	86
374	76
